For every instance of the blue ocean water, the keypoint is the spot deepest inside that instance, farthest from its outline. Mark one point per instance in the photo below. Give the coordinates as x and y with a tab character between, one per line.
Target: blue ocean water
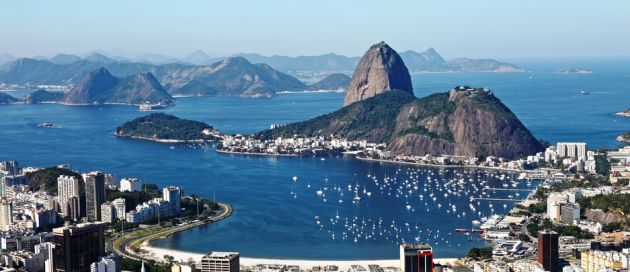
269	221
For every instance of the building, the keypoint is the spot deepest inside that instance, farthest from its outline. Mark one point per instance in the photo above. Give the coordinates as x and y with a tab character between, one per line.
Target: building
67	186
46	249
220	262
416	258
357	268
569	212
77	247
110	263
119	208
72	209
6	214
130	185
172	194
107	212
595	260
12	168
182	268
571	150
548	250
94	195
563	206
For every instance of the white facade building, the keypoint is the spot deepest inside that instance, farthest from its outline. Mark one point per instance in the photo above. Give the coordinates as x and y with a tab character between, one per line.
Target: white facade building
130	185
571	150
67	186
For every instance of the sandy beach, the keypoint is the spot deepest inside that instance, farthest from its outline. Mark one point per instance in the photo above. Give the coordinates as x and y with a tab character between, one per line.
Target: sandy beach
304	264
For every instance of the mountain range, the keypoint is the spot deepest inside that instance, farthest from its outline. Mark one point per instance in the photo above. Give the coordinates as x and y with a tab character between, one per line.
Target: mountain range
427	61
231	76
380	107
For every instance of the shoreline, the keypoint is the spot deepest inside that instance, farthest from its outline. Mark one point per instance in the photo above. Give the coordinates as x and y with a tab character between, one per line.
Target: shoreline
257	154
158	140
440	165
303	263
125	248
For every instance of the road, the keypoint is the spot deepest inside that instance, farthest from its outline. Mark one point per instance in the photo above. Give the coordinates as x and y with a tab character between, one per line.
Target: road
122	245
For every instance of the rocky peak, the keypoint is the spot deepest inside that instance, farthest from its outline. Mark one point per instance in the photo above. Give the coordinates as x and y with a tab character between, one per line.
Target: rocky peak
380	69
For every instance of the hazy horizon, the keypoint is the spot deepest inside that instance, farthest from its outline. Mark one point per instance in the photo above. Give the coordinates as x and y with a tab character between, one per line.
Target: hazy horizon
483	29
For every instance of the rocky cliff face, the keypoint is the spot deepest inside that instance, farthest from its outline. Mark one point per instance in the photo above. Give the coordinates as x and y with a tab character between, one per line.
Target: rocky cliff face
380	69
100	87
464	121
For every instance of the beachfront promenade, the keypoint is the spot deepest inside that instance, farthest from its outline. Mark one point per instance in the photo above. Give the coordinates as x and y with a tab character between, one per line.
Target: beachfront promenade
132	244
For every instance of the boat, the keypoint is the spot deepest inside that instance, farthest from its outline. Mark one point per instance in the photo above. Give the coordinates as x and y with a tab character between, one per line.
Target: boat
584	92
47	125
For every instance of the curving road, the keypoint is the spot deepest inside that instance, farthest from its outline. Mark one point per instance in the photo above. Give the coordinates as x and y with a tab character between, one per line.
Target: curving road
122	248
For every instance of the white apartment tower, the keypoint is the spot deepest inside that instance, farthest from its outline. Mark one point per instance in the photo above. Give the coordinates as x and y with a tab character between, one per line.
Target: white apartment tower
571	150
172	194
67	186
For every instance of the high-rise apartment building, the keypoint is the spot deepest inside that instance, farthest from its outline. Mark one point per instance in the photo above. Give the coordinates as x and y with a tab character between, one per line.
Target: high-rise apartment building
220	262
94	195
548	250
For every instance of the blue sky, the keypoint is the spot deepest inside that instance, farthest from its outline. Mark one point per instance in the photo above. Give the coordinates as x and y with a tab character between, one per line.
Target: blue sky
480	28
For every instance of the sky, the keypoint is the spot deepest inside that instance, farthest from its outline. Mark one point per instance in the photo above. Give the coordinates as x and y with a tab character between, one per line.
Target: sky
480	28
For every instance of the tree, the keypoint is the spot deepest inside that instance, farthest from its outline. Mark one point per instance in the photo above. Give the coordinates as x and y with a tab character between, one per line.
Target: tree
480	253
602	165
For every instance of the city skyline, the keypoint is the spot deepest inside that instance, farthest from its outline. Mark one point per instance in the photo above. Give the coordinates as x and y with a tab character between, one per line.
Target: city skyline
560	29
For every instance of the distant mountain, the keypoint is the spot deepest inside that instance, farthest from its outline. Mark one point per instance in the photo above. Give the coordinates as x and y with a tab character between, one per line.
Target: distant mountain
32	71
380	69
64	59
99	58
431	61
4	58
464	121
7	99
200	58
42	96
233	76
101	87
335	81
482	65
327	62
428	60
194	88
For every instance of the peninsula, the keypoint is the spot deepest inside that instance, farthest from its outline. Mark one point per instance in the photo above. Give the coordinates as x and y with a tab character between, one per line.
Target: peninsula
161	127
380	107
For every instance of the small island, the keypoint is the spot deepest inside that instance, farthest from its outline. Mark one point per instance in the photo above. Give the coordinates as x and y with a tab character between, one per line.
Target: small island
572	70
625	137
161	127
